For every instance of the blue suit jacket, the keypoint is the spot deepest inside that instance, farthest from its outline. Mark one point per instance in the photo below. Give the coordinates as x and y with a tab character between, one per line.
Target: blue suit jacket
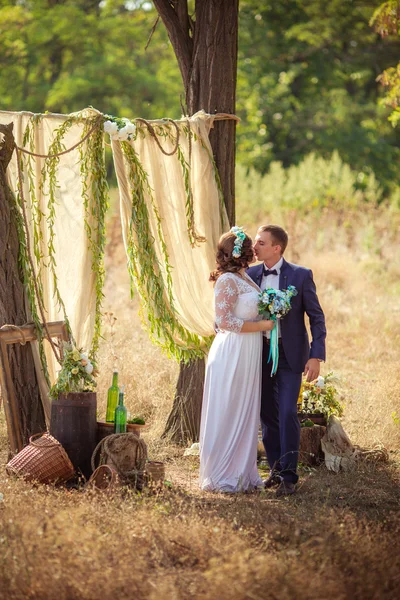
294	334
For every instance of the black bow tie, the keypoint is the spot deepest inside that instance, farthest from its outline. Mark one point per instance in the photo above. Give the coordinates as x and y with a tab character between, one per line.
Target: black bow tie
267	272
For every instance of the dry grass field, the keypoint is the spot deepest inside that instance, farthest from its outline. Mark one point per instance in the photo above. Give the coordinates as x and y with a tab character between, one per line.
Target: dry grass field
337	538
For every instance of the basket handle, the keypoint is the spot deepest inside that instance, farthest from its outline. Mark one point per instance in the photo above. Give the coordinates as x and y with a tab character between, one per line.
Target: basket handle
35	435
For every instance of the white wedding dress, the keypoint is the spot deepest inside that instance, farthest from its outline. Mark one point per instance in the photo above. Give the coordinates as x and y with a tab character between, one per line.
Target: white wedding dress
232	391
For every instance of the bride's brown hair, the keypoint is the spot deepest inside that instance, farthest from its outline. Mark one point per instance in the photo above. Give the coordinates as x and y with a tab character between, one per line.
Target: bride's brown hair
225	262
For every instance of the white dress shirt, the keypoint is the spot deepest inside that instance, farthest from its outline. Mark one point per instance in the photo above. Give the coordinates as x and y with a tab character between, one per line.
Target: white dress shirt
272	281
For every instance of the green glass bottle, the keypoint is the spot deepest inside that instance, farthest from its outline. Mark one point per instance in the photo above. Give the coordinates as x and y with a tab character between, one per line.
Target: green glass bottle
112	398
120	416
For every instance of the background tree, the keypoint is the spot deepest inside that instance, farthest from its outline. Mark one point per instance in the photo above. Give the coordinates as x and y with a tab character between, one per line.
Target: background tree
307	83
306	73
205	44
386	21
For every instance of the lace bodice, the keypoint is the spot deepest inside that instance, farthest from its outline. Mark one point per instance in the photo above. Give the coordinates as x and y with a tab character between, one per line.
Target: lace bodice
235	302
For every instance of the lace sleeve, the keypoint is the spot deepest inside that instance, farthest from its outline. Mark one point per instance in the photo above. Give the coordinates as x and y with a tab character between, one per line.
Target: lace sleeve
226	295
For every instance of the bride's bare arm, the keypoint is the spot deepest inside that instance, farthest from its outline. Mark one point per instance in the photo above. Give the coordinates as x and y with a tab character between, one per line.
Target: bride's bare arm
251	326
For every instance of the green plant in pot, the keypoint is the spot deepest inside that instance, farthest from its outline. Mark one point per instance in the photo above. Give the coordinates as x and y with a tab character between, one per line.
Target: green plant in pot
136	421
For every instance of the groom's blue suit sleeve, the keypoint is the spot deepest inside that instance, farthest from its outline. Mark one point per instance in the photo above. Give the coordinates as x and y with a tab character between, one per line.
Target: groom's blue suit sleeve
316	317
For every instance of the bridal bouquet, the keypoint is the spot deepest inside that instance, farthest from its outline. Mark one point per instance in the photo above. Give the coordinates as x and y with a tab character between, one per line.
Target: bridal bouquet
275	304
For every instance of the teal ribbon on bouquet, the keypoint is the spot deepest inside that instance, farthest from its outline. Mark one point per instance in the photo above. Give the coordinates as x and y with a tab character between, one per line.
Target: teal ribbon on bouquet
273	347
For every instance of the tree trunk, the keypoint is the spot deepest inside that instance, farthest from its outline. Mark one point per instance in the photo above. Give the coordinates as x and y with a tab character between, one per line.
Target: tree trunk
206	50
183	423
12	303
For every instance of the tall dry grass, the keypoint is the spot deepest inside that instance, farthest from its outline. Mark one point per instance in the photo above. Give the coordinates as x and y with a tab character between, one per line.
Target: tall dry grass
338	538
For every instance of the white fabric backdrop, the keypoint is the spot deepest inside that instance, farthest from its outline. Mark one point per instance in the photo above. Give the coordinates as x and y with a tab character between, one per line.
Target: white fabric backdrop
192	293
76	281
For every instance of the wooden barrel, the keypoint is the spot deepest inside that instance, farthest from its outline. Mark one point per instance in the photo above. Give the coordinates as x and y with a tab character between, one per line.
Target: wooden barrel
73	423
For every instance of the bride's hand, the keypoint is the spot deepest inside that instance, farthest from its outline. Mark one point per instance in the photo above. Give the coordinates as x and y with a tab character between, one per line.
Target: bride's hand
267	325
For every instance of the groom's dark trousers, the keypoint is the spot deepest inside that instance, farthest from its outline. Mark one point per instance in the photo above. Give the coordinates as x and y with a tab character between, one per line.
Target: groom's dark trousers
279	420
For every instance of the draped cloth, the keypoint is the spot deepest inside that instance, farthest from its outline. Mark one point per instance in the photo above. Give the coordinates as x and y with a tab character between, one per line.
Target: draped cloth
76	280
192	294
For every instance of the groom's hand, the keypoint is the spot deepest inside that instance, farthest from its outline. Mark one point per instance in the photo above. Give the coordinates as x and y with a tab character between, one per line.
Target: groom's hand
311	370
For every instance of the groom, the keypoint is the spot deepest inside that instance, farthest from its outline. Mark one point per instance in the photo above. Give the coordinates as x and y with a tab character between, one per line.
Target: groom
279	420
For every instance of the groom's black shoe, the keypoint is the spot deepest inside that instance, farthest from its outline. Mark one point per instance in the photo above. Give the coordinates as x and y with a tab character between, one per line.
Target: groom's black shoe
286	488
273	480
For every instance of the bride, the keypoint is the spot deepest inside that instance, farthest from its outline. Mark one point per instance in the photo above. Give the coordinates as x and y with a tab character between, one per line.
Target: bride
232	388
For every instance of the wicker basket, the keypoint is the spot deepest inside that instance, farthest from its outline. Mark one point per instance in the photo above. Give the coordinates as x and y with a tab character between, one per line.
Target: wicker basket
155	471
43	460
103	479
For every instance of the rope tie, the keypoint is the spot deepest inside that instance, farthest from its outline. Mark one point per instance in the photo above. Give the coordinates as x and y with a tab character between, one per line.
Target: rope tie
16	328
95	126
154	135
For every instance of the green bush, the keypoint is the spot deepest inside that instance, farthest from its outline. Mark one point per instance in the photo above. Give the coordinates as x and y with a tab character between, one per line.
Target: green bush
308	188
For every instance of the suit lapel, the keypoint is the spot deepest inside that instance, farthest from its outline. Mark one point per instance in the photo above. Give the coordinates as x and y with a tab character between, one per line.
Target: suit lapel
283	276
258	278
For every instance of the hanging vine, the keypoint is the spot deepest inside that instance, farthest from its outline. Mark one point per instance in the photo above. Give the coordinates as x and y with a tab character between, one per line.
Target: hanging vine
96	203
157	310
50	171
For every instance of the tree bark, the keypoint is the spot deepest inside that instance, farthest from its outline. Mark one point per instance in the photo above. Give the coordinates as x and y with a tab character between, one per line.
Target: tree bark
12	302
206	50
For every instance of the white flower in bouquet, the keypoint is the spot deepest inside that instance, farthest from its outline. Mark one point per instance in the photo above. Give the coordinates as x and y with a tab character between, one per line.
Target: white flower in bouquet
320	382
122	135
130	128
121	129
89	368
110	127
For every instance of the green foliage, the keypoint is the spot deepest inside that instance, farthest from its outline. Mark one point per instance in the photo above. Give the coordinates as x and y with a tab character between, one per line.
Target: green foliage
96	203
137	421
310	187
63	56
76	374
386	21
49	172
306	73
307	83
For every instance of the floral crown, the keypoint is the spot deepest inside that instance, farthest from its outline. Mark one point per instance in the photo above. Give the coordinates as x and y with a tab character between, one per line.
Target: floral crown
240	237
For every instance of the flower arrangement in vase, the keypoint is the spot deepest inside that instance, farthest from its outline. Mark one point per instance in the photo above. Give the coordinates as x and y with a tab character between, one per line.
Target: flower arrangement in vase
320	399
77	373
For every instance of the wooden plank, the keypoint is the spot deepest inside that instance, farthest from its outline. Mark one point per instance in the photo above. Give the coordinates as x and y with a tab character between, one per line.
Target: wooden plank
12	335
